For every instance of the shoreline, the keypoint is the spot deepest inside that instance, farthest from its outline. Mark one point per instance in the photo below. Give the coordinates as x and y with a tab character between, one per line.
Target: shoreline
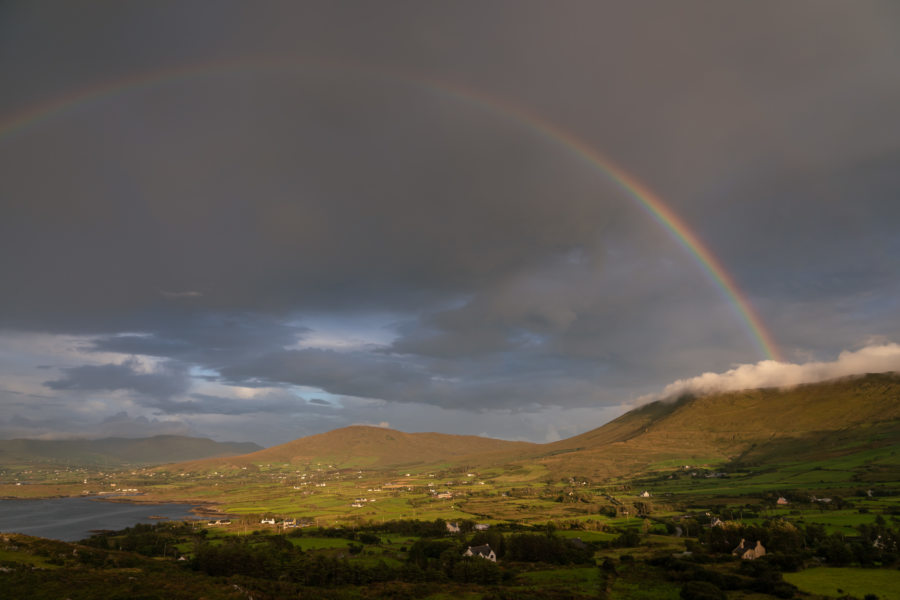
201	509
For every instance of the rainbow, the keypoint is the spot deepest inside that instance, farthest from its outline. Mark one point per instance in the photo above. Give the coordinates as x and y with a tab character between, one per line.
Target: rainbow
649	202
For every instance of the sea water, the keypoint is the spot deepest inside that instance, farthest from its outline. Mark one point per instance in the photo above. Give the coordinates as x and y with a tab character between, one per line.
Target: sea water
71	519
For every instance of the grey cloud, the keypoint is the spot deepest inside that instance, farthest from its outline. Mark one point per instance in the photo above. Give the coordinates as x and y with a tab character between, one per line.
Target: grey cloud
165	381
351	374
517	382
211	339
359	159
281	402
410	225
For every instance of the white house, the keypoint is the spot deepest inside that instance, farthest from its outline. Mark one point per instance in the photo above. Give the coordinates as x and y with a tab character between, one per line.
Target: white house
483	551
452	527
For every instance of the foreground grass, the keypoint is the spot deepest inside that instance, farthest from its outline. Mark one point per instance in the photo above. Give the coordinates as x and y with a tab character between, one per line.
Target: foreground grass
837	582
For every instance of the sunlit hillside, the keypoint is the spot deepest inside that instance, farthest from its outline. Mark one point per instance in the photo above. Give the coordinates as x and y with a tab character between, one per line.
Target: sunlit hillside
829	418
815	420
371	447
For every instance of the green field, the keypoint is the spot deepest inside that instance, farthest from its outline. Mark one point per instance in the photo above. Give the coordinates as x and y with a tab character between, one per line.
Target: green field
836	582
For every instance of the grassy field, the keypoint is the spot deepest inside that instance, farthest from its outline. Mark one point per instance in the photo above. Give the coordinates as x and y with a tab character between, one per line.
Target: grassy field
836	582
585	580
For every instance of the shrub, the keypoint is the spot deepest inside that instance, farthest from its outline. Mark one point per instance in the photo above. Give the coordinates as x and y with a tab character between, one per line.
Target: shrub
701	590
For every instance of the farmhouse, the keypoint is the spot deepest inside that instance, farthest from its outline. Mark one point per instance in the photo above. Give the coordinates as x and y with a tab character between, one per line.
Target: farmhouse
748	552
452	527
483	551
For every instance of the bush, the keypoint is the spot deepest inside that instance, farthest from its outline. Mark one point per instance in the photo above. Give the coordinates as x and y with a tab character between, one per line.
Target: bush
368	538
701	590
528	547
785	562
628	539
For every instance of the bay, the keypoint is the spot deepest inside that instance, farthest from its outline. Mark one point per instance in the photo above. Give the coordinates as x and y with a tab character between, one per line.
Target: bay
72	519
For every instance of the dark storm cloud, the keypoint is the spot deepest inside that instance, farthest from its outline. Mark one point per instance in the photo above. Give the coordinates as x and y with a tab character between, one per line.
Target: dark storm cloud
209	220
275	192
164	381
285	228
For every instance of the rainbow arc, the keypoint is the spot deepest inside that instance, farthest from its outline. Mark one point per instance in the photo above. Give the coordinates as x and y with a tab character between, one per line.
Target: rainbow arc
640	193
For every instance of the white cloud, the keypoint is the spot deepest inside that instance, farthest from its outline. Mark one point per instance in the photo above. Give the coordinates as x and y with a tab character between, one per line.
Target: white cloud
382	424
769	373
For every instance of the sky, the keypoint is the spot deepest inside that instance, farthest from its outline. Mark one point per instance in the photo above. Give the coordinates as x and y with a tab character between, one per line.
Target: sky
260	221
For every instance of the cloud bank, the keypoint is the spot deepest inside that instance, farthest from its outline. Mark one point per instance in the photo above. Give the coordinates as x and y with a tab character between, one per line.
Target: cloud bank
770	373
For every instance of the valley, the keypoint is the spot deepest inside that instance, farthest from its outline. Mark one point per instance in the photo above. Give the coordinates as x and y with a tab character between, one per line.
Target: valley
668	479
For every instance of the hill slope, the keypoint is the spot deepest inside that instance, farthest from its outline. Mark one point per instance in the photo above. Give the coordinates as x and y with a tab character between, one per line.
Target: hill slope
118	451
371	447
839	416
833	416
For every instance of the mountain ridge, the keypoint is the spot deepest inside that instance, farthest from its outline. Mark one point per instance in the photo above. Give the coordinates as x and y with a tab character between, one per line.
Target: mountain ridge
709	428
723	426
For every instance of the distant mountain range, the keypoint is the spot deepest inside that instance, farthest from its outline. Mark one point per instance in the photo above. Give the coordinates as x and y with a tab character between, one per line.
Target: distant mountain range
118	451
805	422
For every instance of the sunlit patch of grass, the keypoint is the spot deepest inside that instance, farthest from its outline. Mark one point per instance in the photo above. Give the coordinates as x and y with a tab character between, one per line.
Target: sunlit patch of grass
316	543
25	558
834	582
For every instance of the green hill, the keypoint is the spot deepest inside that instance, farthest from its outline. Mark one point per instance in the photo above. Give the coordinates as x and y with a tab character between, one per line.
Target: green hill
118	451
810	421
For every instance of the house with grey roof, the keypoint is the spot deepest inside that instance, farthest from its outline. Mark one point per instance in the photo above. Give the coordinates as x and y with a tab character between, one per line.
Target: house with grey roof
484	551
